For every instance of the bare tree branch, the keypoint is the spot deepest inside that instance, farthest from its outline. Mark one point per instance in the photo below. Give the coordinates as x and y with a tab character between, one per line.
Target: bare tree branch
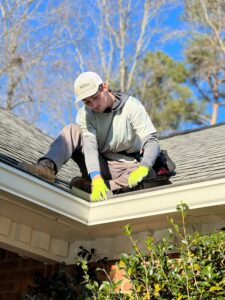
139	42
216	31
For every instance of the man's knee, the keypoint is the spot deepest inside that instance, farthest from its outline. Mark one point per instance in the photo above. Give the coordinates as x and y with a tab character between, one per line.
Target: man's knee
71	128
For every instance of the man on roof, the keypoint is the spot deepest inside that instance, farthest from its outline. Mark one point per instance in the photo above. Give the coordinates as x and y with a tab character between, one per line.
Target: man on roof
113	141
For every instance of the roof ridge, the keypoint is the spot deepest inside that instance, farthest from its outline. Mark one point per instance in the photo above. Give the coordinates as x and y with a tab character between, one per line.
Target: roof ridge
191	130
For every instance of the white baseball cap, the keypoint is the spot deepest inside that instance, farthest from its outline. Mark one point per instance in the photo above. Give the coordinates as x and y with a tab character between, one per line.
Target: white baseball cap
86	85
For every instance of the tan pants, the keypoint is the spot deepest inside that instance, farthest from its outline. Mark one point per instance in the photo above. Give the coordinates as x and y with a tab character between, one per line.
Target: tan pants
69	144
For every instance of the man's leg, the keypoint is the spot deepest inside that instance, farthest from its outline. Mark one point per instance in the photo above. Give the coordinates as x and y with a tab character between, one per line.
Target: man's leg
120	172
60	151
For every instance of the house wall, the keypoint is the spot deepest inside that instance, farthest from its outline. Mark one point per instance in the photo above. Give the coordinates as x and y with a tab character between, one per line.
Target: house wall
16	273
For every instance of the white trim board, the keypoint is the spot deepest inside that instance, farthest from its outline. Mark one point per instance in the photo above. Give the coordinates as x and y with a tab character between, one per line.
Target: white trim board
132	206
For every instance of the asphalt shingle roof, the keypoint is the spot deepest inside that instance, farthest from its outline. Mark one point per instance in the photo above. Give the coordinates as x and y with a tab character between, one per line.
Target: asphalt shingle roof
199	154
20	141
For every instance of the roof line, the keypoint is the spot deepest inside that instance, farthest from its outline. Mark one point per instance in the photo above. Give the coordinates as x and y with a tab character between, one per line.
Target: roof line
190	130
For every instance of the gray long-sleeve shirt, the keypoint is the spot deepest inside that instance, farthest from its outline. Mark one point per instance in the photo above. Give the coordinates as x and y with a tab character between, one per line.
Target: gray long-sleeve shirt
127	128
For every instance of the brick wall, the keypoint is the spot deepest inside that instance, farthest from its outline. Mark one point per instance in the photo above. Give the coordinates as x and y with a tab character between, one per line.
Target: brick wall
16	274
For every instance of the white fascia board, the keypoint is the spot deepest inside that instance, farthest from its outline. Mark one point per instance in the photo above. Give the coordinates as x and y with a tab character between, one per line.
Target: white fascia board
159	202
131	206
43	194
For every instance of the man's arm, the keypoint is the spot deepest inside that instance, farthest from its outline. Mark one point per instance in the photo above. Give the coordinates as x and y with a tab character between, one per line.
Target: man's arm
151	150
146	131
142	124
85	120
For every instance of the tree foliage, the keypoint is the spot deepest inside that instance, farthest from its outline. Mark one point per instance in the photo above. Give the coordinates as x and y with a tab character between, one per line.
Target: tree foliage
205	51
161	86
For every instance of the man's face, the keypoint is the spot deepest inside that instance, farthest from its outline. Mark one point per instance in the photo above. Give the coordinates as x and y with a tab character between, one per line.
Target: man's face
100	100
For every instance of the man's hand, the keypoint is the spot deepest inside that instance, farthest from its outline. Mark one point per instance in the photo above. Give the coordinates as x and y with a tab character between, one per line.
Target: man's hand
136	176
99	189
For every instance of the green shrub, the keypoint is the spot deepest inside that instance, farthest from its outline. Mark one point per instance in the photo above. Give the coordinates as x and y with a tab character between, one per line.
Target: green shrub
197	272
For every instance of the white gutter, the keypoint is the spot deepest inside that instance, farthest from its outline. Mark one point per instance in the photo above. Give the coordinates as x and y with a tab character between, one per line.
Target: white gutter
43	194
198	195
133	206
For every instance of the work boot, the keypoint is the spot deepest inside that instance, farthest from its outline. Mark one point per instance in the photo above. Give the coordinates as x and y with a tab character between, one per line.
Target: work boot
44	169
81	183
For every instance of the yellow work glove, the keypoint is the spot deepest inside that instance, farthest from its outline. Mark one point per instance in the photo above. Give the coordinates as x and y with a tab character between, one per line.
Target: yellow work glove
136	176
99	189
